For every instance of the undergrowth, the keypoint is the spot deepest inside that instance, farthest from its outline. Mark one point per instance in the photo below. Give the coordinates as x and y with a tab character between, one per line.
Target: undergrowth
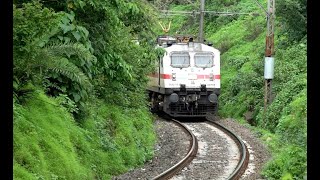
49	144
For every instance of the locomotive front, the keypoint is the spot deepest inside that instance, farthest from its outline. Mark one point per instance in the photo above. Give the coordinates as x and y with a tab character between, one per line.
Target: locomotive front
186	82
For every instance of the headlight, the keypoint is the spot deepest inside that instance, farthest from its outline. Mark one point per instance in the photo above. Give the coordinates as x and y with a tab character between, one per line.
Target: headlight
174	97
213	98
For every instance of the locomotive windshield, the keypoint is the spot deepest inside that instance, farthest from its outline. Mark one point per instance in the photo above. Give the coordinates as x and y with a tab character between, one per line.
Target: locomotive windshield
203	60
180	59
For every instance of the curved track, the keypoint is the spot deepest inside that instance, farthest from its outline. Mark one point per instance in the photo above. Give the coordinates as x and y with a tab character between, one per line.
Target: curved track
244	153
186	160
236	173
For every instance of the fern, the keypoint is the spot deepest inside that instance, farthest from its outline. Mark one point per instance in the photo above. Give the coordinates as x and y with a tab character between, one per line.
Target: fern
64	67
52	58
54	85
69	49
61	73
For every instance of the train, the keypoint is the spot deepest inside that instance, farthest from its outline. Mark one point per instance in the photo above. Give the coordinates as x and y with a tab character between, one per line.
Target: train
186	80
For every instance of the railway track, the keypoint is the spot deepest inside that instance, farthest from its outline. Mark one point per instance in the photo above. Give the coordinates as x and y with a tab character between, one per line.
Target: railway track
244	153
186	160
235	173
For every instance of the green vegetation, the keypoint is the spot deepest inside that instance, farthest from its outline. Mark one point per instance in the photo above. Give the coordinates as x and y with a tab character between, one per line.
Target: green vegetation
241	40
79	107
48	144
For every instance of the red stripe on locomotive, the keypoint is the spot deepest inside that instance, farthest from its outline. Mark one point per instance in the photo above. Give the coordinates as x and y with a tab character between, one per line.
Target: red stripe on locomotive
168	76
165	76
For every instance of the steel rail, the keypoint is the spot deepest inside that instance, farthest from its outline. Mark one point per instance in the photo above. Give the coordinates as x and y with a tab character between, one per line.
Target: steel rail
244	153
193	149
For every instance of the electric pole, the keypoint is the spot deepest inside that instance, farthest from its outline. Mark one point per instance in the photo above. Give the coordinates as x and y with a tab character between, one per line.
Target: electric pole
269	54
201	21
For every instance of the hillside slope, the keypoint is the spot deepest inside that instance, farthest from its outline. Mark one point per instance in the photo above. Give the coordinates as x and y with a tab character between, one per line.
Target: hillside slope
49	144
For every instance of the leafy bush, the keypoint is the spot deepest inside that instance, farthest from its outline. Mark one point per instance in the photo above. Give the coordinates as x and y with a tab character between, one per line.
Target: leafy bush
282	99
291	61
66	102
290	161
61	68
292	125
293	16
29	23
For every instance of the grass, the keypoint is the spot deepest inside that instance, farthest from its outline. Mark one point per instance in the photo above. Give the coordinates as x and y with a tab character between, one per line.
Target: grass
49	144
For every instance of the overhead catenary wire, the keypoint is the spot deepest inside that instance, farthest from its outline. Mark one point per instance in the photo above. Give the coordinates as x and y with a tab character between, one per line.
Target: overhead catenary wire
261	7
190	13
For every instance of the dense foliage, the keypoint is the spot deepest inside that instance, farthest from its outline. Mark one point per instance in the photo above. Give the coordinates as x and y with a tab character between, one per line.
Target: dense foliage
241	40
79	81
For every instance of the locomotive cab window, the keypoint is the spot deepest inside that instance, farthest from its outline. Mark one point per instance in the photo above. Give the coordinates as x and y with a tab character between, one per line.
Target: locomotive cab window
180	59
203	60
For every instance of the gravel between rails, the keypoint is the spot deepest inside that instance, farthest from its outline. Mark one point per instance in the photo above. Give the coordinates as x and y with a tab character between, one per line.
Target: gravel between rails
217	157
173	144
259	153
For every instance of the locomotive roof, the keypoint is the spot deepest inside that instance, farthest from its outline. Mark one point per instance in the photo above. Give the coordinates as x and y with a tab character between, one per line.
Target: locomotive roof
191	47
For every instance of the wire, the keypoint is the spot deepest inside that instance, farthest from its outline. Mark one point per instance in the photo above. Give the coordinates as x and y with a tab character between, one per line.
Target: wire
190	13
261	7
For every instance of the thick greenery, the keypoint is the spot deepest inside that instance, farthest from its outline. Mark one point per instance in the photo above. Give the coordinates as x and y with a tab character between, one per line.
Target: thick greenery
290	146
241	40
89	44
48	144
79	80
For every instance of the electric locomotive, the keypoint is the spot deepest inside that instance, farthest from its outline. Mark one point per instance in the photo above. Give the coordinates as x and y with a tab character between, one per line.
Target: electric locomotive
186	81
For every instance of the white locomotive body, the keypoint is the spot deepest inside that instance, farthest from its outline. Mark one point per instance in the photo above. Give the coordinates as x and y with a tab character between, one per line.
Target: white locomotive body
186	82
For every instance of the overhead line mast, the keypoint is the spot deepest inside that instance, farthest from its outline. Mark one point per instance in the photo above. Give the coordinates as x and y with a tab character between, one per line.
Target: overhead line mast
269	54
201	21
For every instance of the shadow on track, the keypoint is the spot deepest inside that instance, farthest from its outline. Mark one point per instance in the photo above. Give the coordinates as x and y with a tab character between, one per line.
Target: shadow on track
181	119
